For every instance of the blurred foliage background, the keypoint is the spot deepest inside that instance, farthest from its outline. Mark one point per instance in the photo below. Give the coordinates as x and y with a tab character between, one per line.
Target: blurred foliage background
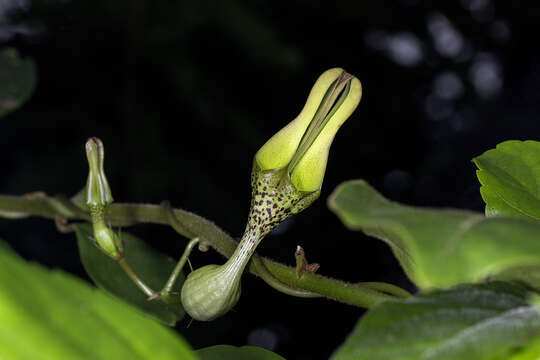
184	93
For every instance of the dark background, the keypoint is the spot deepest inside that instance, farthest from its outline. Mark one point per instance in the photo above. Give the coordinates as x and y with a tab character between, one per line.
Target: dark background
183	93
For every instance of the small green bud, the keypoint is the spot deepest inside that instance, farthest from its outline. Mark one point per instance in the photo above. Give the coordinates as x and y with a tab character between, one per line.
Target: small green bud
98	192
98	196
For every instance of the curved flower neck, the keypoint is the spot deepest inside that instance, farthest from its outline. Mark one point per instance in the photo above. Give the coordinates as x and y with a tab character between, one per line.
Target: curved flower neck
273	199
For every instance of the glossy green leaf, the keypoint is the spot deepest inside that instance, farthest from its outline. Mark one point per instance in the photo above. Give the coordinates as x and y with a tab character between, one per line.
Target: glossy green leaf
443	247
228	352
17	80
151	266
47	314
470	322
510	178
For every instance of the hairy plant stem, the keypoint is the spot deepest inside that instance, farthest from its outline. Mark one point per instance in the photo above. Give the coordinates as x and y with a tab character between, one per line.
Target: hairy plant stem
167	288
279	276
133	276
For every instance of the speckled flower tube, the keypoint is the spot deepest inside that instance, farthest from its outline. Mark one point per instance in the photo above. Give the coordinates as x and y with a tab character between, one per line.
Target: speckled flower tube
287	175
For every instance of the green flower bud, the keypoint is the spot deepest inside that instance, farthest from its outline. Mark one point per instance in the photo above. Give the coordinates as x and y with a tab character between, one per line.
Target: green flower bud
286	178
98	196
98	192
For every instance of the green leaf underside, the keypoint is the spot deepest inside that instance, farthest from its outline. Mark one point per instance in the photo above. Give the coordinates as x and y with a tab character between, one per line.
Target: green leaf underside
443	247
46	315
228	352
17	80
510	178
470	322
151	266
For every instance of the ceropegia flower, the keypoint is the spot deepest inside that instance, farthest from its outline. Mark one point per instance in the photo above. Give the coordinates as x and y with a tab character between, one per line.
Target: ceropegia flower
287	175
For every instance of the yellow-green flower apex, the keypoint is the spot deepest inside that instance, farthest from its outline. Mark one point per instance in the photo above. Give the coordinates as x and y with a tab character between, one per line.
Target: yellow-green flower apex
303	144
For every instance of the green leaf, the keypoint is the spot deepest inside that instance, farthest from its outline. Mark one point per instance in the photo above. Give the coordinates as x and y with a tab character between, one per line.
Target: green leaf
17	80
48	314
228	352
151	266
443	247
510	178
531	352
469	322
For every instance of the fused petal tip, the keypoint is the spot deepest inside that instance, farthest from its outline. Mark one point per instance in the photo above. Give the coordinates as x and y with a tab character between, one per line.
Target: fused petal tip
304	143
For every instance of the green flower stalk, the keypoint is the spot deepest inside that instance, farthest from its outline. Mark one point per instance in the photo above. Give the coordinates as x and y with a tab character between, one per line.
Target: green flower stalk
287	176
98	196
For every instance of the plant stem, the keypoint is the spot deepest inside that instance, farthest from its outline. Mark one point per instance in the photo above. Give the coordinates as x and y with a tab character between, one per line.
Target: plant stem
178	268
191	226
140	284
261	270
386	288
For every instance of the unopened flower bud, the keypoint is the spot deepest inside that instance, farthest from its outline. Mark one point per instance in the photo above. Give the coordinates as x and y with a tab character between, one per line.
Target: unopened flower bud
98	192
98	196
